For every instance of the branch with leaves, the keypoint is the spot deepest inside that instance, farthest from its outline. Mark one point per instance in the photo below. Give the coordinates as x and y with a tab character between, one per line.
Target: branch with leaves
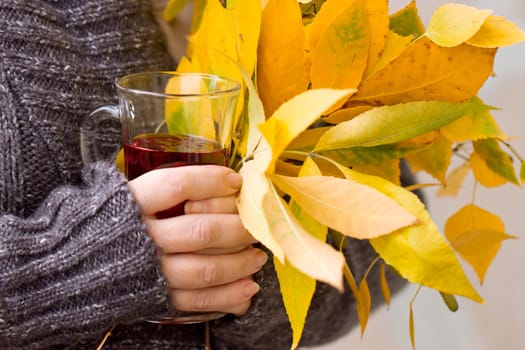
335	94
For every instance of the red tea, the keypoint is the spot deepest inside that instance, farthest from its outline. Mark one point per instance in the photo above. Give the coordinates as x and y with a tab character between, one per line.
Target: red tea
153	151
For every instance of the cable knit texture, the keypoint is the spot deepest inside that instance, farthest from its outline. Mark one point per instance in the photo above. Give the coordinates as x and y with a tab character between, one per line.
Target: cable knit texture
74	254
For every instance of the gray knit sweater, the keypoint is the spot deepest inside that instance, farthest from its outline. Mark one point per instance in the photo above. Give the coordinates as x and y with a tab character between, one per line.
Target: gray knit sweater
74	254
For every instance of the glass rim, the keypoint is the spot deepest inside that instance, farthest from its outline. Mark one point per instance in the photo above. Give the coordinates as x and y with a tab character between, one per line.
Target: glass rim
235	86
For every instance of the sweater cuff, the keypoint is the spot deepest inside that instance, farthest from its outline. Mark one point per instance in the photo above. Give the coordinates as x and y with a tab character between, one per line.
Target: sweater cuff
82	262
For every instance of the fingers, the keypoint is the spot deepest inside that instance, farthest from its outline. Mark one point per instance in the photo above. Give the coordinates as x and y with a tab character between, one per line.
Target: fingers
196	271
196	232
225	205
162	189
230	298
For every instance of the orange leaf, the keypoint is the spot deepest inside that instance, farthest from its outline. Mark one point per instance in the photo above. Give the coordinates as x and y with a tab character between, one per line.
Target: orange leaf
476	234
281	70
339	60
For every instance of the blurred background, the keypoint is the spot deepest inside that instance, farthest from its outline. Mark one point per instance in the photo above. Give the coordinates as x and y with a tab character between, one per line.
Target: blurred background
500	323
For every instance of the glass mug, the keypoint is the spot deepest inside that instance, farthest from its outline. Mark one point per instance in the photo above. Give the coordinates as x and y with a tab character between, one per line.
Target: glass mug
167	119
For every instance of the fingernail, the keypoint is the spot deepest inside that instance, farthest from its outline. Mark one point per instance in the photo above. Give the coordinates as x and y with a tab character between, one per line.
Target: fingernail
261	258
235	180
250	289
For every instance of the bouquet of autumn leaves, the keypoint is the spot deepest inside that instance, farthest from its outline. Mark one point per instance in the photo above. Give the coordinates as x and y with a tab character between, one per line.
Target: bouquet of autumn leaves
335	94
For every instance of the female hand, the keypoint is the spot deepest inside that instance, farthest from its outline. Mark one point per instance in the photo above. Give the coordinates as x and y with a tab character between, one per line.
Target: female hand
206	255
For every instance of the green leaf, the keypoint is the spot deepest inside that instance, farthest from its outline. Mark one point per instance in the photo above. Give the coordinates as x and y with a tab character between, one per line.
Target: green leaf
450	301
390	124
475	126
496	159
406	22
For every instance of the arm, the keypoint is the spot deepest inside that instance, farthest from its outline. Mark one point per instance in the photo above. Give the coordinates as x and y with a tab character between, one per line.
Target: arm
80	263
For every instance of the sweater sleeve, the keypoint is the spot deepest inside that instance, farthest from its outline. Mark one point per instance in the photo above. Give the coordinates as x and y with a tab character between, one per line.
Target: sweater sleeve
81	263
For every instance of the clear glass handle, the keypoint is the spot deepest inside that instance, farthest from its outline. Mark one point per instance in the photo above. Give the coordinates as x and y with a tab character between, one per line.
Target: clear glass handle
93	147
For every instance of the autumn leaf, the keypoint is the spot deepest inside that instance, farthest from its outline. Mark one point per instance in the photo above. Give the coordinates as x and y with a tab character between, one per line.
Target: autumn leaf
245	18
250	206
281	72
385	289
349	207
497	31
297	289
406	22
455	180
340	57
307	253
330	10
173	8
497	161
476	234
453	24
180	112
450	301
412	250
378	20
433	159
294	116
474	126
483	174
390	124
345	114
395	45
365	305
436	73
388	170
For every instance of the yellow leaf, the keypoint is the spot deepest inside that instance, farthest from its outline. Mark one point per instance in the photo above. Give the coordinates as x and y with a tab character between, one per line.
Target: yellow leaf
387	169
455	180
497	160
497	31
330	10
295	115
281	67
378	21
308	254
433	159
411	327
173	8
394	47
250	205
522	171
476	234
245	18
453	24
307	139
119	161
483	174
474	126
419	253
187	66
435	73
344	114
365	305
297	288
339	60
351	208
385	289
362	302
180	113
